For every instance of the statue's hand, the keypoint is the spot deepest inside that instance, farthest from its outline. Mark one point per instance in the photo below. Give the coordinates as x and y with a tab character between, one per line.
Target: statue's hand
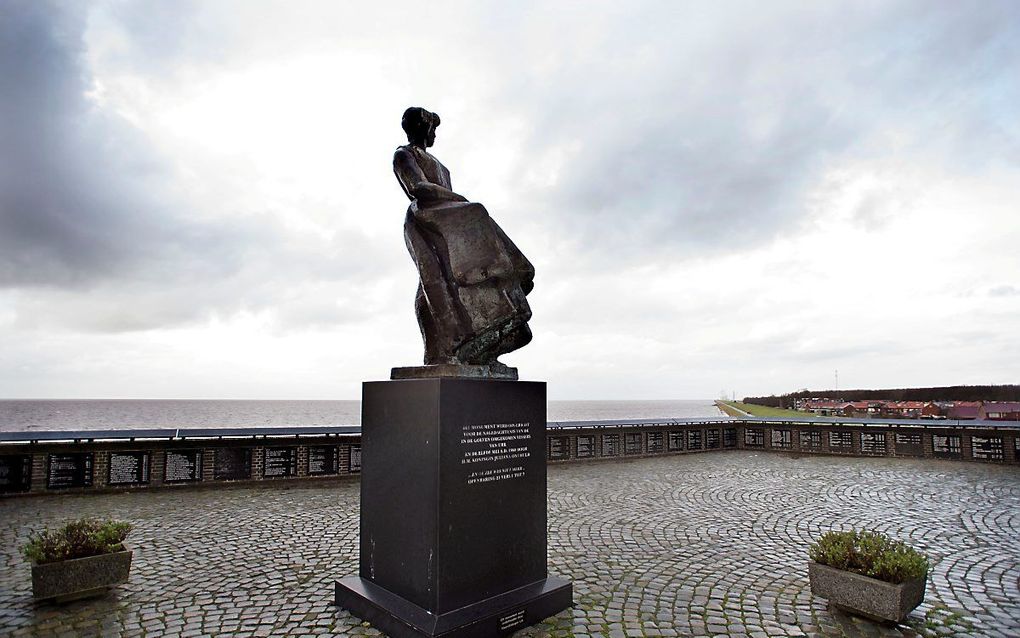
426	192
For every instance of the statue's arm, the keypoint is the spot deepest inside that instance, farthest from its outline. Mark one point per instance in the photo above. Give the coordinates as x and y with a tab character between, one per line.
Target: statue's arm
416	185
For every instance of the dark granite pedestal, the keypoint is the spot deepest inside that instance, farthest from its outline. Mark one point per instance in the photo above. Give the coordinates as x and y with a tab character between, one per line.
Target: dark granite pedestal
453	509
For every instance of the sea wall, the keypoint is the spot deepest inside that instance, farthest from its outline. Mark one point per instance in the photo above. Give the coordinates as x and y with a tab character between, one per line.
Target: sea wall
74	462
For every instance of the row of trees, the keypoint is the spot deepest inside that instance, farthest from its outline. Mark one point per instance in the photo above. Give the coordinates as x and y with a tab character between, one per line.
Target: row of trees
945	393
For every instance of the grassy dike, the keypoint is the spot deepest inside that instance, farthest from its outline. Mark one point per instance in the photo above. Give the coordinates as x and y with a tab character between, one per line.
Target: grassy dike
733	408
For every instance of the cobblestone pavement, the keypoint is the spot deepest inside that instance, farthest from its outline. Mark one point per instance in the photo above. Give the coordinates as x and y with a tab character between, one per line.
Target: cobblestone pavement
699	545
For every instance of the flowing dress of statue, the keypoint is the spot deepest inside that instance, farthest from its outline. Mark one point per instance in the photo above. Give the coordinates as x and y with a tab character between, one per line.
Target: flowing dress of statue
471	302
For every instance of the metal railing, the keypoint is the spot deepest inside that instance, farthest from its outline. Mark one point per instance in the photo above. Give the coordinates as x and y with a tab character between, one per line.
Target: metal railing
177	434
182	434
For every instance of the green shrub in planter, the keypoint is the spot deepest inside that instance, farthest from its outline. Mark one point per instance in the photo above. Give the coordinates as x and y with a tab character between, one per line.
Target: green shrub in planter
77	539
871	554
81	559
868	574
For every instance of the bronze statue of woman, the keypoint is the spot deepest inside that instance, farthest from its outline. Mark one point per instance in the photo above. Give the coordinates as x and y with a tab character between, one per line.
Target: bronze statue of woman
471	303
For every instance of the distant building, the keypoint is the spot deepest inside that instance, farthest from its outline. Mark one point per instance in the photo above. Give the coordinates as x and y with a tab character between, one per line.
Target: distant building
1000	411
860	409
931	410
826	407
906	409
964	410
887	409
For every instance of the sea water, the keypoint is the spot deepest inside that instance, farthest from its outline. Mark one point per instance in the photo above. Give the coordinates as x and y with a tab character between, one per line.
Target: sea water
108	414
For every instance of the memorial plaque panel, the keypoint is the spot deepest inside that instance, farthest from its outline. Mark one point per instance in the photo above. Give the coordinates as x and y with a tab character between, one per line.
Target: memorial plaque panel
811	440
559	448
232	464
946	446
986	448
782	439
729	437
676	441
873	443
754	437
279	462
15	473
655	444
585	446
694	439
323	459
182	466
69	469
909	444
610	445
129	468
841	441
354	459
632	443
712	439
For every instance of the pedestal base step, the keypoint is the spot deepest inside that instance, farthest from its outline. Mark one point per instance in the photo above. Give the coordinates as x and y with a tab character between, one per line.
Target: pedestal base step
497	616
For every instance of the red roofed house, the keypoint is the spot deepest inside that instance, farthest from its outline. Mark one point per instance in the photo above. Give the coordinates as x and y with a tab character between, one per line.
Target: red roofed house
860	408
1000	411
964	410
827	407
908	409
931	409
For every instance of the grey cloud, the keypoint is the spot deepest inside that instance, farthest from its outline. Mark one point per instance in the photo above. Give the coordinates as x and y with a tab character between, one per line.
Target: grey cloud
132	306
689	129
88	207
695	185
82	198
1004	290
305	289
49	229
836	353
703	130
157	36
795	346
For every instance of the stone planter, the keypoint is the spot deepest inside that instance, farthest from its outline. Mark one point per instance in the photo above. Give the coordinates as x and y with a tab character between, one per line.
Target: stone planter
80	577
864	596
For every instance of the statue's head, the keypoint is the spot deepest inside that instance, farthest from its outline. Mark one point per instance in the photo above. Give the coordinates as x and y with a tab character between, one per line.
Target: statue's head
420	126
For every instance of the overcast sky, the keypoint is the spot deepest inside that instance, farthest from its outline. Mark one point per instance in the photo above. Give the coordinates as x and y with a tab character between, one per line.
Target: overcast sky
196	198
